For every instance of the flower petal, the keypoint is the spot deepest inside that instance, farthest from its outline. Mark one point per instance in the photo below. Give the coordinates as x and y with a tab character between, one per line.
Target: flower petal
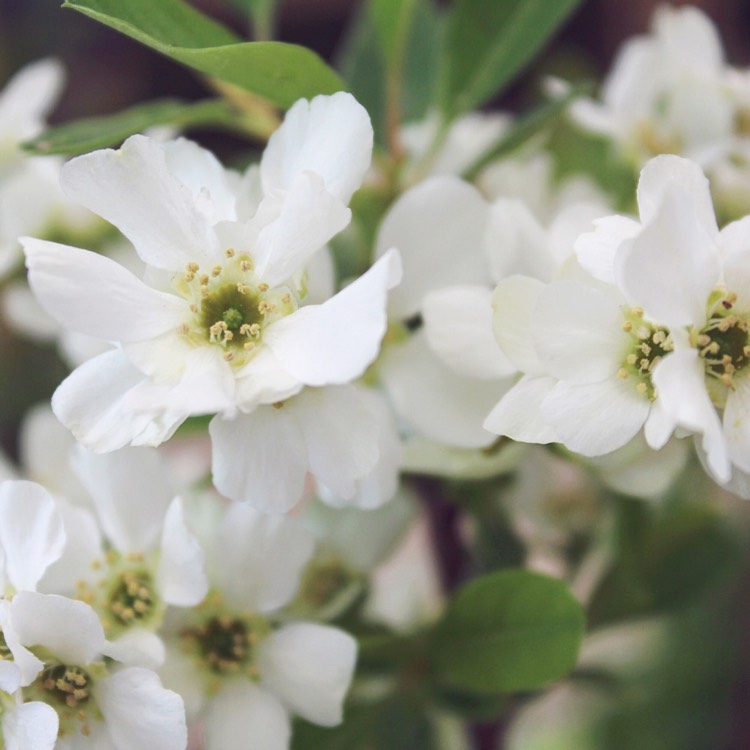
309	667
137	647
334	342
131	494
666	173
458	326
328	135
134	189
241	711
434	400
595	418
439	228
92	294
68	628
31	532
89	402
340	430
260	558
671	267
260	458
578	332
517	414
30	726
596	250
182	564
139	712
737	423
310	216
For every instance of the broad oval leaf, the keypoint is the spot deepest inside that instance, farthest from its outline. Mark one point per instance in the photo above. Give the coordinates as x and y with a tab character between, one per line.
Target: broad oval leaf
90	133
509	631
489	42
278	72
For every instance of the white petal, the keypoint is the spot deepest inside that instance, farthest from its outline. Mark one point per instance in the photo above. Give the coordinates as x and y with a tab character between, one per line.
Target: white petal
517	243
260	458
335	342
433	399
131	494
663	174
330	136
139	712
242	712
92	294
737	423
380	484
181	574
596	418
671	267
309	667
340	430
31	532
458	325
578	332
25	666
517	414
513	303
30	726
137	647
264	381
680	381
206	386
133	189
83	545
24	314
68	628
260	558
309	217
596	250
89	402
439	229
29	96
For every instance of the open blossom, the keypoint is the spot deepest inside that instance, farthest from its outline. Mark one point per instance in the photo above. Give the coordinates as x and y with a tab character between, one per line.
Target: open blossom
221	325
244	666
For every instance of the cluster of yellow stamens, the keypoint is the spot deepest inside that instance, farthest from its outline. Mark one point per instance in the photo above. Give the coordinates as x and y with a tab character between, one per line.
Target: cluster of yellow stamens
125	594
723	342
230	305
649	343
68	690
224	642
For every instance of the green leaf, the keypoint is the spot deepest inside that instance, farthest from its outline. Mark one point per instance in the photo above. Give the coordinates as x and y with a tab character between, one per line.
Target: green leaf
489	42
391	19
509	631
278	72
82	136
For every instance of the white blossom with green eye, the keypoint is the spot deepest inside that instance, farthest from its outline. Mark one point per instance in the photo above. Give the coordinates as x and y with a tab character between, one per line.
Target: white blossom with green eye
222	326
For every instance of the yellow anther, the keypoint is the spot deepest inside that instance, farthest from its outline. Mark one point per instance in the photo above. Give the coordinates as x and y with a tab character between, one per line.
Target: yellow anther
228	356
229	252
622	374
243	288
263	287
631	359
192	268
246	265
642	388
216	270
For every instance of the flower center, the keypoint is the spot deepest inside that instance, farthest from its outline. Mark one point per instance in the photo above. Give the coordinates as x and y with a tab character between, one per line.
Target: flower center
723	342
231	306
649	343
131	598
68	686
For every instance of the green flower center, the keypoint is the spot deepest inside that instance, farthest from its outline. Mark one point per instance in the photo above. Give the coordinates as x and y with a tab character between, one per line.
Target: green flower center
230	306
132	599
66	686
649	343
723	342
224	644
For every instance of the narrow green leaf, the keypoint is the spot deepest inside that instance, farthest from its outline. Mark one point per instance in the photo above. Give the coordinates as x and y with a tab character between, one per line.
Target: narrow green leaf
391	19
526	128
489	42
509	631
82	136
278	72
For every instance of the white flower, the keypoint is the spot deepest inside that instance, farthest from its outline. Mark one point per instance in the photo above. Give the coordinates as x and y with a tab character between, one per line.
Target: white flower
222	326
667	91
694	278
246	670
